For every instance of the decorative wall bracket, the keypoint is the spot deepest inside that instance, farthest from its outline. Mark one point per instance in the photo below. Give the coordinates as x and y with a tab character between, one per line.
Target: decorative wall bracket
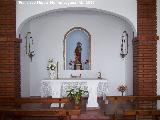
124	44
29	45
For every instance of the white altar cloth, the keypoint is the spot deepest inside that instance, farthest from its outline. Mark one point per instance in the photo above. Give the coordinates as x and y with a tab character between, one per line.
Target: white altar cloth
57	88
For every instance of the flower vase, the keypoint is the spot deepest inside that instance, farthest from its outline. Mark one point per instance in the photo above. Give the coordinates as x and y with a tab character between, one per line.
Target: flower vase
77	106
52	74
122	93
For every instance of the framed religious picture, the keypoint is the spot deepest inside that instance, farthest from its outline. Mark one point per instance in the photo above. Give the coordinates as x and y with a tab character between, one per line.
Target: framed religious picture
77	49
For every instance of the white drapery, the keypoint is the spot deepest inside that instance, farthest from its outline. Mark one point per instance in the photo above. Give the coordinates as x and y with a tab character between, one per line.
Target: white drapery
58	88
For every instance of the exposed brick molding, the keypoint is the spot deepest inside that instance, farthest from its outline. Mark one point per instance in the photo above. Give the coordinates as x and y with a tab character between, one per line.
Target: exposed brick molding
145	53
147	37
7	17
9	68
9	39
145	67
146	18
145	49
9	50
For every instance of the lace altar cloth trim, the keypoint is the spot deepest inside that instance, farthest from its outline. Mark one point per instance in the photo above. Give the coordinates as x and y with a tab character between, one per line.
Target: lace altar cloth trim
46	88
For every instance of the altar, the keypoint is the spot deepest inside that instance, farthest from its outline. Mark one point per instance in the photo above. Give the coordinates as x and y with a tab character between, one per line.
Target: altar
57	88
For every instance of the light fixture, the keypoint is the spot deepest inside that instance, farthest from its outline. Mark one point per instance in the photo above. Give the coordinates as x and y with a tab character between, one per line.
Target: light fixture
124	44
29	45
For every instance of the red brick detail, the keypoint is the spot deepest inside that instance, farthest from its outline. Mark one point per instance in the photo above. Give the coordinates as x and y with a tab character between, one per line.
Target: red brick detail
145	52
145	49
9	67
146	17
147	37
9	50
7	17
145	69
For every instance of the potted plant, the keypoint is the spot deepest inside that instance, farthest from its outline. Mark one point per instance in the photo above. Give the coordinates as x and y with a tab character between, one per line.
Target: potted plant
75	95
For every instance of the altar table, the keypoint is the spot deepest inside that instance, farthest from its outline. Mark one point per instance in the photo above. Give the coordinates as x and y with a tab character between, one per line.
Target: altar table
57	88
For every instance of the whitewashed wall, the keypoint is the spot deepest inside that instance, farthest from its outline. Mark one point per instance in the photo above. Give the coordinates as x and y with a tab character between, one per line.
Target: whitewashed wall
106	31
25	63
129	61
126	8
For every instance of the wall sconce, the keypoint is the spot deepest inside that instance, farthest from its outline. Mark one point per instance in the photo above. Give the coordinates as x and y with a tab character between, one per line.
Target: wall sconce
29	45
124	44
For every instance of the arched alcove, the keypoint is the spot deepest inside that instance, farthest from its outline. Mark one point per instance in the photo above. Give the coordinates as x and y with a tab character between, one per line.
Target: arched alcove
77	49
24	11
105	29
100	11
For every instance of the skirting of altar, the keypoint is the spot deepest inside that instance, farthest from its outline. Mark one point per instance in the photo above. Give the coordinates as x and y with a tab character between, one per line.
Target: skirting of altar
58	88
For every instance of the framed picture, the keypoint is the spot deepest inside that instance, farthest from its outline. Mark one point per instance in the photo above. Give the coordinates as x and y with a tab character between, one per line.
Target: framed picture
77	49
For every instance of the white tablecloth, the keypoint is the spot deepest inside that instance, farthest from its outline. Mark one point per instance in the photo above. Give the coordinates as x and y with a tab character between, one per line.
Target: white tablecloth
58	88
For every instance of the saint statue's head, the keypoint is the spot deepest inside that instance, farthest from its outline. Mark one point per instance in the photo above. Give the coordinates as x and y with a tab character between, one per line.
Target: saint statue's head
79	44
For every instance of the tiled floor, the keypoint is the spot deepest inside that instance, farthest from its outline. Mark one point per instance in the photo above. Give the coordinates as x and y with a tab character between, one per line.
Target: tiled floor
91	114
96	114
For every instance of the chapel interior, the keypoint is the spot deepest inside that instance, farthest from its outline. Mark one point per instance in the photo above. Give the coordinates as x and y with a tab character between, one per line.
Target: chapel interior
80	60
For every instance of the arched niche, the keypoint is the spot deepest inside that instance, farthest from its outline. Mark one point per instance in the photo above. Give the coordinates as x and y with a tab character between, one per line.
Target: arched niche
123	67
77	49
99	11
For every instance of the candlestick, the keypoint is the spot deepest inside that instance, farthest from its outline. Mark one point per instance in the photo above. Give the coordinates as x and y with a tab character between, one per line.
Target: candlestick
57	70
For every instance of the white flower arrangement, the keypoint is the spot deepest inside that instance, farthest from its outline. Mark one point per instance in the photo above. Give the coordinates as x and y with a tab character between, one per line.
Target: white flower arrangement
76	94
51	65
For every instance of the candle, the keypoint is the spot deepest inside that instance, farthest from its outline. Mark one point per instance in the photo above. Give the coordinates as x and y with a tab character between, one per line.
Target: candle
57	70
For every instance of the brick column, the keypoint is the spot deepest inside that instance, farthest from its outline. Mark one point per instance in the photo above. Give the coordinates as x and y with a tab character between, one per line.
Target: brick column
145	53
9	51
145	49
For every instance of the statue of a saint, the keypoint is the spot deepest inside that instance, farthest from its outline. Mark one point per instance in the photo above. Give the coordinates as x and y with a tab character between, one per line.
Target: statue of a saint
78	51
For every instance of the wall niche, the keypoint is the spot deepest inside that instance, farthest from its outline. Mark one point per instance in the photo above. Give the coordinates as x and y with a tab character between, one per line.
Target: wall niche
77	49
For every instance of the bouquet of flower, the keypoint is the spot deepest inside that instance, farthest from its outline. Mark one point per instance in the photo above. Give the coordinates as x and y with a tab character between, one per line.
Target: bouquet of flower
76	94
122	88
51	65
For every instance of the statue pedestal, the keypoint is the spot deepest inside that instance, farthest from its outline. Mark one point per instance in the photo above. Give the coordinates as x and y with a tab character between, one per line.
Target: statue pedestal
78	66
